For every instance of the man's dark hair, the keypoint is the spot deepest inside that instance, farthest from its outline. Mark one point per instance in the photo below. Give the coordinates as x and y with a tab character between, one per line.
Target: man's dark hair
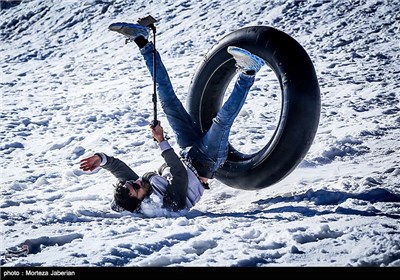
122	198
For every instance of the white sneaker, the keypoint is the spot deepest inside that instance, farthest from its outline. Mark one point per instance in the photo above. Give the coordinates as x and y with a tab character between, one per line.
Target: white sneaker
245	60
130	30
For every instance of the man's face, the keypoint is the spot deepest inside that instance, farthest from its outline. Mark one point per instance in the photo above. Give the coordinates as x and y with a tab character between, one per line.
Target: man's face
136	189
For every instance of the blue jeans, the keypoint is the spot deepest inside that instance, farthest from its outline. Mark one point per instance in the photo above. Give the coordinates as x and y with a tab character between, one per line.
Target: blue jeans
208	151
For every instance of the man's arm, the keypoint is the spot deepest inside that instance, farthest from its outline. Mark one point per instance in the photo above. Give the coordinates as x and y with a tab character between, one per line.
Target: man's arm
116	166
177	190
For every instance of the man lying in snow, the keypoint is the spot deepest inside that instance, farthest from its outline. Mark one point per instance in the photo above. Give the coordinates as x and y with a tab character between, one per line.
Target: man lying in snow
181	181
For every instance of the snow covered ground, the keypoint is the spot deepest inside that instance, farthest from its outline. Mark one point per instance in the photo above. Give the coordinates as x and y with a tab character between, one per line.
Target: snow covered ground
70	87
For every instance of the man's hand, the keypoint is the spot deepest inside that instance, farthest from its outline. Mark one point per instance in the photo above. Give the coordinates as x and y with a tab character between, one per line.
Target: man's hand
158	132
90	163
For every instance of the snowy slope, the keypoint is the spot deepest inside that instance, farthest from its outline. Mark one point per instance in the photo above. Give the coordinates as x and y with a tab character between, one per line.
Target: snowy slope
70	88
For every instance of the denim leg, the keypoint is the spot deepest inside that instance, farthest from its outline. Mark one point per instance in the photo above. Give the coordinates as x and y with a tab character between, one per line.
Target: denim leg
214	144
186	131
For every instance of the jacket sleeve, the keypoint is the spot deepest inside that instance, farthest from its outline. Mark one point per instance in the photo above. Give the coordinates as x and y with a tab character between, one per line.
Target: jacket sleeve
117	167
177	189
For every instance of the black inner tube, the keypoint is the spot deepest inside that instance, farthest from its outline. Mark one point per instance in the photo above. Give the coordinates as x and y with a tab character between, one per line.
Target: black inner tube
300	110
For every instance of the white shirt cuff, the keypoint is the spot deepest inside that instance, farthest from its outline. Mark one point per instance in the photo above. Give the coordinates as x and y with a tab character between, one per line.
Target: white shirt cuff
103	158
164	145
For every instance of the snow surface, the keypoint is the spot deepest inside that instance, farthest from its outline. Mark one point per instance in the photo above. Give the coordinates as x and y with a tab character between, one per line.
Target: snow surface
70	87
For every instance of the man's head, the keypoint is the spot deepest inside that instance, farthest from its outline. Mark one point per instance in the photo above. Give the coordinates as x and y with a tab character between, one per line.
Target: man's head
129	195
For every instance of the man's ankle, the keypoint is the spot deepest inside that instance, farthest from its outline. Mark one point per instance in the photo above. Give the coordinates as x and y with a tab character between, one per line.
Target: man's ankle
250	72
141	41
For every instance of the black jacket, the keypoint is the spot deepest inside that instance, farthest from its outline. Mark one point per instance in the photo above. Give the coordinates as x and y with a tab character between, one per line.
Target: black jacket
176	184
